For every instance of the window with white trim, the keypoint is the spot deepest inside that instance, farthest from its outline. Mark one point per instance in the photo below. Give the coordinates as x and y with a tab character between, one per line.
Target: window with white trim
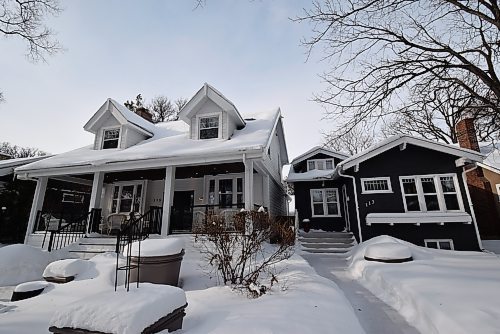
439	243
325	202
221	191
110	138
209	127
428	193
126	198
376	185
320	164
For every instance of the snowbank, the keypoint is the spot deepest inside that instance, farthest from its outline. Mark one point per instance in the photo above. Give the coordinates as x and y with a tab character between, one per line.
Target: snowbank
440	291
130	312
66	268
22	263
387	252
31	286
157	247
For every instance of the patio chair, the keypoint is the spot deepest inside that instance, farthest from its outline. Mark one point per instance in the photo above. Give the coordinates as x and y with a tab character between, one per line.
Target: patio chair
115	222
228	216
199	218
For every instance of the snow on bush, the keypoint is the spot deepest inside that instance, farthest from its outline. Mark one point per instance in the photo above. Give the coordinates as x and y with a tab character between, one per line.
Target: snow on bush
66	268
387	251
22	263
157	247
121	311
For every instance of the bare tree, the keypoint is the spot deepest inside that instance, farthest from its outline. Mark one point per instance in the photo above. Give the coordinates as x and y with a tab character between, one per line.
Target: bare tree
381	50
180	103
24	19
163	109
20	152
358	139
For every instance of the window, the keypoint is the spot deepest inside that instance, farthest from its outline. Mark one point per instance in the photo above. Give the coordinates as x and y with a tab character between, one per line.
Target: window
110	138
226	191
320	164
325	202
239	192
439	243
426	193
72	198
376	185
126	198
209	127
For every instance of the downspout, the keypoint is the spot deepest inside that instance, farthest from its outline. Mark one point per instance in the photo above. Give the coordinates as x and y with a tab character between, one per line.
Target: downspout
355	200
471	206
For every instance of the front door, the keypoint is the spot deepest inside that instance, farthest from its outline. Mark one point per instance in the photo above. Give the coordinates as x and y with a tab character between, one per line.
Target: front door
182	212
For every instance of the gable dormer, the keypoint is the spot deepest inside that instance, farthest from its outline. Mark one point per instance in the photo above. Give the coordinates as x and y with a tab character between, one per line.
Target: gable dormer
211	115
115	126
318	158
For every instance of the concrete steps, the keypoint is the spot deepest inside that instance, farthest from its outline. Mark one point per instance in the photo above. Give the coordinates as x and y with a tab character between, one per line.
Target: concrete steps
320	242
87	248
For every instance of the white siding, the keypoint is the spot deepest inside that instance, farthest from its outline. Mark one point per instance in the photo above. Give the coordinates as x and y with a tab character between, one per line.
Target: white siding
105	122
210	107
277	199
258	197
154	195
195	184
130	137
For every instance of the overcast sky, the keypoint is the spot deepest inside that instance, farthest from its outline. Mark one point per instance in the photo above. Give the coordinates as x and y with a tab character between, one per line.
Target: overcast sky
249	50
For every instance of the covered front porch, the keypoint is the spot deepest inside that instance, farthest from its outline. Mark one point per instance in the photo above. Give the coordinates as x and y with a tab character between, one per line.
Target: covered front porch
172	199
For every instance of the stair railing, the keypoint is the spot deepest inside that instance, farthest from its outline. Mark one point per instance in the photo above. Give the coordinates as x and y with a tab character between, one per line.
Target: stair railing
66	234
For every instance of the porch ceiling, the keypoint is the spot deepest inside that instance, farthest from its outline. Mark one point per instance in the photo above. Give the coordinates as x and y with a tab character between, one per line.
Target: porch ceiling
146	174
215	169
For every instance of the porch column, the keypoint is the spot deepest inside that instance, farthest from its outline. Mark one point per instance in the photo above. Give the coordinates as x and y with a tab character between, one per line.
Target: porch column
168	196
265	191
95	196
248	185
41	186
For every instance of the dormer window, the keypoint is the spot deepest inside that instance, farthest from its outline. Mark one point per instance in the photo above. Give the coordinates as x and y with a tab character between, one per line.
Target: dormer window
209	127
111	138
320	164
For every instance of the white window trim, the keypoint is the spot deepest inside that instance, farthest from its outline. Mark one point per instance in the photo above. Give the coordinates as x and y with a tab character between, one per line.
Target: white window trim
439	191
325	206
216	179
120	128
386	178
316	163
218	114
121	184
437	241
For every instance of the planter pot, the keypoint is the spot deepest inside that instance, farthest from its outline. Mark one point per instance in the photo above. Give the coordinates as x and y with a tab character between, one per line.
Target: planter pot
25	294
157	269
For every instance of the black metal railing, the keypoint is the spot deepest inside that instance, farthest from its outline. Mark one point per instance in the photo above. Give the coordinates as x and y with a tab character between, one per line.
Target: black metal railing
185	219
137	229
65	233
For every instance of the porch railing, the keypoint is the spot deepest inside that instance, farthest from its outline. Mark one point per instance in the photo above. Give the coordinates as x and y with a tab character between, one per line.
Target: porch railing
66	234
137	229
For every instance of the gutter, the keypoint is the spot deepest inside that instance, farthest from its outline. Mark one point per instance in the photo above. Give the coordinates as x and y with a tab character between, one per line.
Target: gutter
355	199
471	206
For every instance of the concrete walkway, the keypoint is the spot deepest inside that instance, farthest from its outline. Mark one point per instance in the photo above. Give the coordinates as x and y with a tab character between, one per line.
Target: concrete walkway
374	315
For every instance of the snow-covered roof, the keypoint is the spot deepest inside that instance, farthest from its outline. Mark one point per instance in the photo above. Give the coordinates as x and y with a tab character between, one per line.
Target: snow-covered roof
7	166
492	153
311	175
319	149
170	141
403	140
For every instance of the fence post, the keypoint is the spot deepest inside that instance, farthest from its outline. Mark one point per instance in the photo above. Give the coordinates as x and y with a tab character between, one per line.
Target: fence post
51	240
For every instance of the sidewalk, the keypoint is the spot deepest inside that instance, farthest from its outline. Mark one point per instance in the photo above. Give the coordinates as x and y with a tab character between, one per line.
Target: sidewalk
374	315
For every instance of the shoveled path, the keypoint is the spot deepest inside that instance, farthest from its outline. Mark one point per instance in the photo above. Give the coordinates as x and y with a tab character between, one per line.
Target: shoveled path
374	315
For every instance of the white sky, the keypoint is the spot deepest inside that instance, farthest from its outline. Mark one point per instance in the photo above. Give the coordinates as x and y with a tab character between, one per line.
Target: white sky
249	50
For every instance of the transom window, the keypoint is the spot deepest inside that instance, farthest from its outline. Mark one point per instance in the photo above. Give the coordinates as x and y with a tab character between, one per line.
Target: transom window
376	185
110	138
209	127
431	193
320	164
126	198
325	202
439	243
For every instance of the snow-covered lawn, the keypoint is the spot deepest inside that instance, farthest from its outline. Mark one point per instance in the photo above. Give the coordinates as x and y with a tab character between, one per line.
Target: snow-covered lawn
302	302
439	291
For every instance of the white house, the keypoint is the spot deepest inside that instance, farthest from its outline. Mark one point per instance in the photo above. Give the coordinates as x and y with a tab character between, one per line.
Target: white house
212	159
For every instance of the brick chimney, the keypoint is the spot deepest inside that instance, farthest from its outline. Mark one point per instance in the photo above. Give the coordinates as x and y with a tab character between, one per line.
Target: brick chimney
144	113
479	186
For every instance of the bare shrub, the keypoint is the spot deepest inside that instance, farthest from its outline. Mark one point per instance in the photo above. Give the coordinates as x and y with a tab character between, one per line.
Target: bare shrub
239	252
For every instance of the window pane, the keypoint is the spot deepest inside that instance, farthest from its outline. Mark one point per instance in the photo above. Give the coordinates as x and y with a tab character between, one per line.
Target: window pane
209	122
311	165
332	209
110	144
409	186
127	192
432	244
137	200
445	245
317	196
412	203
209	133
226	185
331	196
318	209
239	200
447	184
126	205
239	185
111	134
225	200
320	164
428	185
375	185
431	202
451	201
116	191
114	205
329	164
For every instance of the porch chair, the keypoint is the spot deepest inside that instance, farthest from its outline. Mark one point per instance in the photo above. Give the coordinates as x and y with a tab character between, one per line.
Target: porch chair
198	219
115	222
228	216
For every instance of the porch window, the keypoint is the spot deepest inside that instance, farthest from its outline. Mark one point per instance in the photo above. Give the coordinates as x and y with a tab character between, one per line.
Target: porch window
325	202
126	198
225	193
110	138
209	127
239	193
439	243
426	193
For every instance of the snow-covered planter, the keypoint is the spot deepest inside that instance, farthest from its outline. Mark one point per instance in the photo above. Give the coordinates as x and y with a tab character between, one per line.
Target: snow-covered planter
156	260
148	309
28	290
64	271
389	252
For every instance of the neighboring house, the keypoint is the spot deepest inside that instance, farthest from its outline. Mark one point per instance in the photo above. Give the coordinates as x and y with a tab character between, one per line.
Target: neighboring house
211	160
4	156
410	188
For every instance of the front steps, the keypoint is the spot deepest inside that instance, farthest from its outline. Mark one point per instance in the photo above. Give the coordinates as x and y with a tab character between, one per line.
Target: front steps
320	242
86	248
